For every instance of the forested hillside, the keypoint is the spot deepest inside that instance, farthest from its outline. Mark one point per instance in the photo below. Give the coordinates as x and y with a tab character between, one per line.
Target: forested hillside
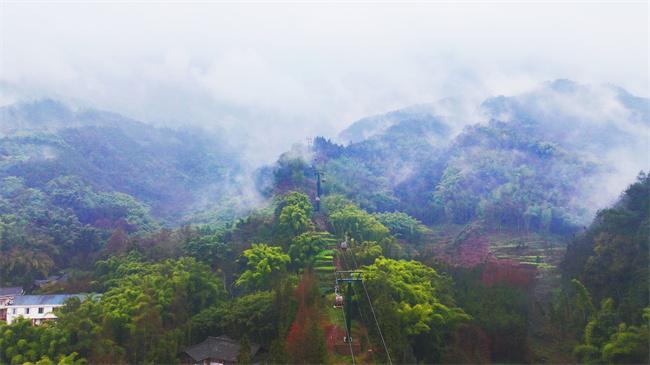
163	168
421	241
269	279
607	278
71	178
533	166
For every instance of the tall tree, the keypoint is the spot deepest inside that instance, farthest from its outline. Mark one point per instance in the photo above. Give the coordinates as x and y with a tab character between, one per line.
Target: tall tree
265	265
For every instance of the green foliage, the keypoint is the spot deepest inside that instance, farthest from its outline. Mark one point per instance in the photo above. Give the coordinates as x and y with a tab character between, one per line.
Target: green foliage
293	221
59	210
587	354
497	172
583	303
294	214
609	343
98	207
68	179
278	352
63	360
412	302
134	319
64	224
611	260
357	224
244	356
500	310
612	256
367	236
300	200
571	309
166	169
629	345
305	248
265	265
252	316
290	173
210	249
353	178
21	342
367	252
502	174
604	322
403	226
334	202
316	351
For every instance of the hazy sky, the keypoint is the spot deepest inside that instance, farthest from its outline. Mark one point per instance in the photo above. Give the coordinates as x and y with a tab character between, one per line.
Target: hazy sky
291	70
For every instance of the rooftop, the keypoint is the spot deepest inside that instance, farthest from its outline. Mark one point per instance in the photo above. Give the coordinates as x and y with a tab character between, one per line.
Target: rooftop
50	279
54	299
15	290
219	348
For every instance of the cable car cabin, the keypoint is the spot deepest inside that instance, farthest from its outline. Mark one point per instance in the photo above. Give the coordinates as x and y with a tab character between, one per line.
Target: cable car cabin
338	301
344	245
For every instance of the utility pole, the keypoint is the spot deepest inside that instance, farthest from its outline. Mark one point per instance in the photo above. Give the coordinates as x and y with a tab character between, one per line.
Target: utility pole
319	189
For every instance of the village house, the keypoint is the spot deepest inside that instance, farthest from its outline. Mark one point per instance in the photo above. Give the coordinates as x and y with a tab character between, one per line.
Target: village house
38	308
6	296
221	350
52	279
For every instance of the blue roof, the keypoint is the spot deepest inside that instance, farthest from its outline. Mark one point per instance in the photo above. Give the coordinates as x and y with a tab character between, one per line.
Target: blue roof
16	290
54	299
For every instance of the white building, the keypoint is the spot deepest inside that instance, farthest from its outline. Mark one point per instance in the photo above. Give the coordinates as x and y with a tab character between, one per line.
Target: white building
7	295
38	308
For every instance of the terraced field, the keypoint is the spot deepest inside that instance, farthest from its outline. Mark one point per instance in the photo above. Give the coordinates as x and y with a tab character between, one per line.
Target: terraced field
543	251
324	267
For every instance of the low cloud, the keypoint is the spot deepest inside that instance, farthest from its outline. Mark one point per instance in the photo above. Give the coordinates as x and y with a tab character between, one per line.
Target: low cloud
272	74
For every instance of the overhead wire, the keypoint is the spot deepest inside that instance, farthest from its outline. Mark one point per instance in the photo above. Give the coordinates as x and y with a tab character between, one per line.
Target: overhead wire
372	310
347	334
347	266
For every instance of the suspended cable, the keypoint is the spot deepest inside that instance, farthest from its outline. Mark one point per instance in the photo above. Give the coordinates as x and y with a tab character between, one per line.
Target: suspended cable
372	309
348	336
363	318
347	333
377	323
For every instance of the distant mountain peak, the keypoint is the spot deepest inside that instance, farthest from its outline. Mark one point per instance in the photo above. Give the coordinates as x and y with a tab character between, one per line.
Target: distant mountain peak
563	85
50	115
417	116
37	113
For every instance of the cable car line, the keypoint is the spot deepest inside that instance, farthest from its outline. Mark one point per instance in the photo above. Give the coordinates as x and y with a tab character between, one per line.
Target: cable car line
372	310
348	335
320	179
344	245
347	266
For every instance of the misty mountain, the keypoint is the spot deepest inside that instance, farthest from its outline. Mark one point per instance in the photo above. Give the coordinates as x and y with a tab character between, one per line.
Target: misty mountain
595	119
449	113
369	127
171	171
93	195
547	159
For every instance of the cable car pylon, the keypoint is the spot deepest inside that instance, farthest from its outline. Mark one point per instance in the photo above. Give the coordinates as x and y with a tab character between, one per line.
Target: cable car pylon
348	277
320	179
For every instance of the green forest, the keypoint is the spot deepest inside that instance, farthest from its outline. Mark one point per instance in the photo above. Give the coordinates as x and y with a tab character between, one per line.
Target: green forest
268	278
473	248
